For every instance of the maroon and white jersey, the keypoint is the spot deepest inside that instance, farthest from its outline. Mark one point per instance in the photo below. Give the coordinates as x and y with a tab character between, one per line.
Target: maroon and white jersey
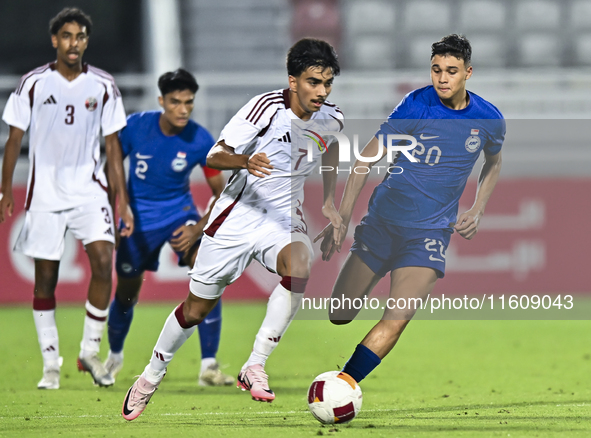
65	119
264	124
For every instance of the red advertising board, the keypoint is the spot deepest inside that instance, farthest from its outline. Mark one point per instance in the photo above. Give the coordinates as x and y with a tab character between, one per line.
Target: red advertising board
533	239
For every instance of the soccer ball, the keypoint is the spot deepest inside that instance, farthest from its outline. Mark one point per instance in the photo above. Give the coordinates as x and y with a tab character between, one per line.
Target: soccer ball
334	397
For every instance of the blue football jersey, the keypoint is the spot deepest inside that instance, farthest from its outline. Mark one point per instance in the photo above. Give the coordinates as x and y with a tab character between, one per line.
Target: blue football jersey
425	194
159	168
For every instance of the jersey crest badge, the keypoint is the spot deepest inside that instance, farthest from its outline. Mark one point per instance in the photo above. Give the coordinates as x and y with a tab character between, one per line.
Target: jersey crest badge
90	104
180	162
472	143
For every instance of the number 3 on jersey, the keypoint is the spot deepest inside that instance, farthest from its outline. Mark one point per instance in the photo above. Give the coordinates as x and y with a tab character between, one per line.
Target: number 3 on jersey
69	115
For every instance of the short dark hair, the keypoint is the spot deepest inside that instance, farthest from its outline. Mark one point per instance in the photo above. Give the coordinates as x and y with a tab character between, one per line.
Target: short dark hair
311	52
454	45
68	15
177	80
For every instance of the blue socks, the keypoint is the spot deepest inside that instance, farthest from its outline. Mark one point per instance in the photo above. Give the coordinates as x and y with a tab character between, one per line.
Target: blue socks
209	332
120	317
361	363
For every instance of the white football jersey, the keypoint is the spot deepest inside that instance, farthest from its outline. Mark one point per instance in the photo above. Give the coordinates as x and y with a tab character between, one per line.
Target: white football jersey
65	118
264	124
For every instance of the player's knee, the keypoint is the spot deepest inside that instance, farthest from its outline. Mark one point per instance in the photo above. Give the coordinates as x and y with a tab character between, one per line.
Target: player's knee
46	275
301	262
295	261
102	265
128	289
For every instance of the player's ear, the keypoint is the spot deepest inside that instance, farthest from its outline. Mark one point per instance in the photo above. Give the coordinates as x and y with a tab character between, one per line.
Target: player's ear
161	101
293	83
468	72
54	41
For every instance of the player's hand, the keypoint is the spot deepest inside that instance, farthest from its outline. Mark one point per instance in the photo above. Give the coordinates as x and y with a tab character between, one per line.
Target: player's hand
127	217
259	165
6	205
467	224
185	236
333	235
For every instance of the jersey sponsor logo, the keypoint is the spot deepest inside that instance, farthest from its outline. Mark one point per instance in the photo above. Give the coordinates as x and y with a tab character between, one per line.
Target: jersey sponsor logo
50	100
180	162
472	143
425	137
91	104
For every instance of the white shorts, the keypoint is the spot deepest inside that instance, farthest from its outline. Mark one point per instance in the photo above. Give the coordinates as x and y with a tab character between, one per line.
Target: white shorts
42	235
223	258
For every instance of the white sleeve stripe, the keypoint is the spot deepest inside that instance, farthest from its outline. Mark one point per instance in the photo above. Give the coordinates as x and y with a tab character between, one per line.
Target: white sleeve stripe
264	98
271	102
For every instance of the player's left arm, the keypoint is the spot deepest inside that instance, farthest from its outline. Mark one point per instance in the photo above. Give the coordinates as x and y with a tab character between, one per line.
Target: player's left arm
185	236
467	224
116	180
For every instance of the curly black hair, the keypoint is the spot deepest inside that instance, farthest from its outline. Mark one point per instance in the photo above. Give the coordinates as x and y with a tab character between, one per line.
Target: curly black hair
454	45
311	52
69	15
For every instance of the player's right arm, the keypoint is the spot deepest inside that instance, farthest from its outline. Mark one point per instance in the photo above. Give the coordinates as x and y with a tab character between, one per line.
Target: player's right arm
11	153
223	157
240	132
353	187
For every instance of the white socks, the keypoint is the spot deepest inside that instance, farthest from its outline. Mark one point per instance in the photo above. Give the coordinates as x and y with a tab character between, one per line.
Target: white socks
281	309
170	340
205	363
48	338
94	326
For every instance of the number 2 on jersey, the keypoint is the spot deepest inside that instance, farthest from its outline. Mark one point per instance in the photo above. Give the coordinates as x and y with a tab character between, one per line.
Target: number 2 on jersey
140	169
69	115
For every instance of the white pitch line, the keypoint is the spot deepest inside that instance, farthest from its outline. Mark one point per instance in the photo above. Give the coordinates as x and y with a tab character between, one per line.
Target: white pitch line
196	414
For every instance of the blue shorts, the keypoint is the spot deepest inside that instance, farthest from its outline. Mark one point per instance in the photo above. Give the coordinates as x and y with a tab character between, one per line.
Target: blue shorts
384	247
140	251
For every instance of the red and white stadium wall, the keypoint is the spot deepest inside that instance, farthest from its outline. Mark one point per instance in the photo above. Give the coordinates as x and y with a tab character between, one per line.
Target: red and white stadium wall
534	238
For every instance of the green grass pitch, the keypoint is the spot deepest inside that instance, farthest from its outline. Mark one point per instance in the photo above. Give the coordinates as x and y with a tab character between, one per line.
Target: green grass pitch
444	379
